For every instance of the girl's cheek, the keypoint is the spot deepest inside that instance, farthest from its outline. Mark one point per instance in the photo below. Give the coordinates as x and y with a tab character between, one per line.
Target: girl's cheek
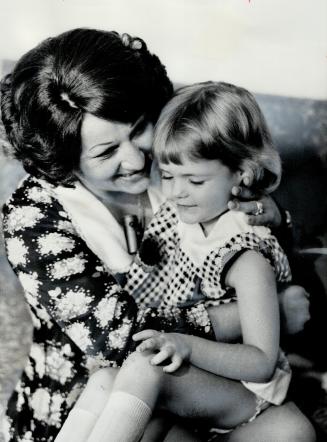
165	188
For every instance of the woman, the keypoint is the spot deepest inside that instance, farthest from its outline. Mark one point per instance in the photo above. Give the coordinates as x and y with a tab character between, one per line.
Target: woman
79	111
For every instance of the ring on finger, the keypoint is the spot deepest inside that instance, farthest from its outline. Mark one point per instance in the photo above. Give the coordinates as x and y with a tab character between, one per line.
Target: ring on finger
259	210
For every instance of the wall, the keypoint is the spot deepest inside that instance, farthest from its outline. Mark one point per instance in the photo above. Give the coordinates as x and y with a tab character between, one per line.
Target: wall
275	47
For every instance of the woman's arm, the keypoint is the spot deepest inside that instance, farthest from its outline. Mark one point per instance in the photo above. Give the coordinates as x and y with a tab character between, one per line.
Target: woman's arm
64	282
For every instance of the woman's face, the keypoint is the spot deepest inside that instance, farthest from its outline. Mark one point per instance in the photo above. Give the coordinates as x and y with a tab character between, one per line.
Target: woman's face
115	157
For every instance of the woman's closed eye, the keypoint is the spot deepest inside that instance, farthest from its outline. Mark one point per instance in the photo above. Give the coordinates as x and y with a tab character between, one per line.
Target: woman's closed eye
107	153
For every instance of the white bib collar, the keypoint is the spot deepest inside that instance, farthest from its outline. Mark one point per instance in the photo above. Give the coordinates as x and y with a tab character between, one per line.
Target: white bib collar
98	227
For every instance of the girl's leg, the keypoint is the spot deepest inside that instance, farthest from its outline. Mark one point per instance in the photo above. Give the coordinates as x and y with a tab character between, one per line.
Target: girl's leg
191	392
88	407
129	408
179	433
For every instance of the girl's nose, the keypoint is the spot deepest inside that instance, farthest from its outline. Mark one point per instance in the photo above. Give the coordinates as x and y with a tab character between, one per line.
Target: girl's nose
132	158
178	189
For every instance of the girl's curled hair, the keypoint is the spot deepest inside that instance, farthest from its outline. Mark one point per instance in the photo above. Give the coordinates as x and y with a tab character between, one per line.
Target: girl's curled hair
44	99
216	120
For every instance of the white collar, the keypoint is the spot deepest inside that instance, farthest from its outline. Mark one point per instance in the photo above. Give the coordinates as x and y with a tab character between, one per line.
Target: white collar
98	227
198	246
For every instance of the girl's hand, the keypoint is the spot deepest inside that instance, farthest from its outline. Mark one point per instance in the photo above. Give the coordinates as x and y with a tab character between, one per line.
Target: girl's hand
171	346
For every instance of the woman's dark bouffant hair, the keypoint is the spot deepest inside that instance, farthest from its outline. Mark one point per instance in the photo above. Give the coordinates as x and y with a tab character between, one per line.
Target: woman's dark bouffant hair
81	71
216	120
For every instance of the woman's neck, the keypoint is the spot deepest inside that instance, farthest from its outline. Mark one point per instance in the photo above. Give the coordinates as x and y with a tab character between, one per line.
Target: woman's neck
120	204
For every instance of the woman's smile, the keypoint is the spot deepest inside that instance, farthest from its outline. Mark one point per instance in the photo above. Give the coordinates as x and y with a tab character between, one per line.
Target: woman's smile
115	156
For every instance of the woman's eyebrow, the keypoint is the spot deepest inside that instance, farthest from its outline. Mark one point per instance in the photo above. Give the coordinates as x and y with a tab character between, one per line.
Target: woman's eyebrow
139	124
104	143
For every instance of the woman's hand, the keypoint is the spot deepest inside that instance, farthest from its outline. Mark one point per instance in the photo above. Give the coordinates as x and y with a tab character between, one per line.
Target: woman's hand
294	306
172	346
261	209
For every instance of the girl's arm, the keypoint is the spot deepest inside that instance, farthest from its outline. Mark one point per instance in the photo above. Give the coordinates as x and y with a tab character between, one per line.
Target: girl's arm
294	312
255	359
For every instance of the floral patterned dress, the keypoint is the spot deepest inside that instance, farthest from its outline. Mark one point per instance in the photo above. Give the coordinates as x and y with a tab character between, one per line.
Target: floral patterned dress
83	319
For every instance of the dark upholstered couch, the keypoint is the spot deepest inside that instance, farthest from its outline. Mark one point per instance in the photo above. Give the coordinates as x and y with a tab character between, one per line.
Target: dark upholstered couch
299	128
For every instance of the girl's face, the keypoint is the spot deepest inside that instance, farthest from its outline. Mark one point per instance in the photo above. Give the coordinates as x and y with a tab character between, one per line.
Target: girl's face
115	156
200	189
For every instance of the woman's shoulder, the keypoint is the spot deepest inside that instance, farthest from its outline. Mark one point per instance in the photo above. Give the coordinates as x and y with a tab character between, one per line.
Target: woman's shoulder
30	191
32	203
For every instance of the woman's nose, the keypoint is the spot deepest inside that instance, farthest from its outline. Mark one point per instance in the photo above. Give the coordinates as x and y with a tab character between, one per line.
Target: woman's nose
132	157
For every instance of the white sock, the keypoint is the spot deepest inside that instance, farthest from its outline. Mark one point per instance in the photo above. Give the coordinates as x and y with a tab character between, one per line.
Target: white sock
123	419
77	426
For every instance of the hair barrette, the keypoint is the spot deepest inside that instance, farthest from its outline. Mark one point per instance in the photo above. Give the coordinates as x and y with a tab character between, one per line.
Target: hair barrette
64	96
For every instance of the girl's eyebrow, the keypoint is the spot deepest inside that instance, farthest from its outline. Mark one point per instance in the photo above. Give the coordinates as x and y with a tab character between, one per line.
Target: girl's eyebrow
202	175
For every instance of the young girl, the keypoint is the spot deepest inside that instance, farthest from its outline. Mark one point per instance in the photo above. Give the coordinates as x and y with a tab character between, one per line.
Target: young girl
196	252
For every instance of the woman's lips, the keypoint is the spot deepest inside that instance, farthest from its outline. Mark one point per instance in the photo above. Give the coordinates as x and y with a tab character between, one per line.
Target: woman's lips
137	174
132	175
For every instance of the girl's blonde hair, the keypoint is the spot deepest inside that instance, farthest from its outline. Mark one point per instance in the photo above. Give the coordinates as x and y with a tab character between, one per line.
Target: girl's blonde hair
215	120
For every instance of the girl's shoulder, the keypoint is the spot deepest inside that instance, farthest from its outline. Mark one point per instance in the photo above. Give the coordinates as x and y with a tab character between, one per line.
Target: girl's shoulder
164	220
235	223
239	237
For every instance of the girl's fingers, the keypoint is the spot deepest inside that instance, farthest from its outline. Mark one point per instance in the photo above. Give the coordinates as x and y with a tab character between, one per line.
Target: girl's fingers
165	353
145	334
149	344
176	363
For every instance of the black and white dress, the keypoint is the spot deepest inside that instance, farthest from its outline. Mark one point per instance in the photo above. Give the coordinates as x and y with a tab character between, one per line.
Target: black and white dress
190	273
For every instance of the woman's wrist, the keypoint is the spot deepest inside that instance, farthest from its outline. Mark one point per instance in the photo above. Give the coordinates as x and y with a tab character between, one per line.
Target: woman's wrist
284	231
285	216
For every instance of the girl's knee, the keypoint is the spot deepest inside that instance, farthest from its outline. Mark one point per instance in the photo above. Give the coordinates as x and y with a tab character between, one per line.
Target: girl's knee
103	378
138	376
97	390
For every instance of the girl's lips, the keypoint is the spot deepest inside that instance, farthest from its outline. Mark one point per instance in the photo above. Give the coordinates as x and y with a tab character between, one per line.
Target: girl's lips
185	205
